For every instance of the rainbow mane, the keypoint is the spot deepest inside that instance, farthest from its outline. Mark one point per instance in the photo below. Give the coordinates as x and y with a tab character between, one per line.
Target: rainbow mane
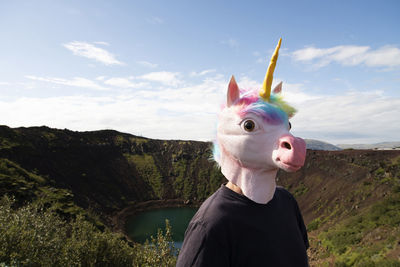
274	112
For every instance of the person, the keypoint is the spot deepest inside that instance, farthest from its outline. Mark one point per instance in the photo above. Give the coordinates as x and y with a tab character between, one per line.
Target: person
229	229
250	221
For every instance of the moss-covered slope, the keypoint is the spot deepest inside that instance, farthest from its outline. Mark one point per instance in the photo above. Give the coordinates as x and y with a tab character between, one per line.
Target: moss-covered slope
104	170
350	201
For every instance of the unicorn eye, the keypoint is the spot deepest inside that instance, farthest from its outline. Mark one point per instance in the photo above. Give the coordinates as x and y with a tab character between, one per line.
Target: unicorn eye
249	125
290	125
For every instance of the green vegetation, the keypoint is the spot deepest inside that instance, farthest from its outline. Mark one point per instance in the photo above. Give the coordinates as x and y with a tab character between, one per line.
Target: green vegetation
203	189
300	190
194	179
15	179
179	171
107	170
149	172
365	239
187	188
314	224
119	140
359	225
42	226
34	236
27	186
215	178
9	168
159	251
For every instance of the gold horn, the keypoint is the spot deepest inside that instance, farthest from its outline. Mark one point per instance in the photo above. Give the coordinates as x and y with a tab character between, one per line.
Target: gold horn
265	91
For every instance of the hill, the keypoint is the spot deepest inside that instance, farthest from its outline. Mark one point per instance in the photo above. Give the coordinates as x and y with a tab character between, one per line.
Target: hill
105	171
320	145
349	199
382	146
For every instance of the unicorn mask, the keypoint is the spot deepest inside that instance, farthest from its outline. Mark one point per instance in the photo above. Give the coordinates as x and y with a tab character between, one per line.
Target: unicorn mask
253	138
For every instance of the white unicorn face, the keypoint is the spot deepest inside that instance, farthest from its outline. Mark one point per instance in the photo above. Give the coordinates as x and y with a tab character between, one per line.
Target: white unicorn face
256	145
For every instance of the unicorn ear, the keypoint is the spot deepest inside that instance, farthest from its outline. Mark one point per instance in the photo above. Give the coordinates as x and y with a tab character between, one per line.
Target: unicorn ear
278	88
233	92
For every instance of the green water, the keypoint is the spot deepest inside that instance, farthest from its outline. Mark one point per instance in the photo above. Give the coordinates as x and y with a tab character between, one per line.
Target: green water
145	224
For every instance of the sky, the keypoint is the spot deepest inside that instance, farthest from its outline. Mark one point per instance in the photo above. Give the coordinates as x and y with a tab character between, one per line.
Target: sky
160	69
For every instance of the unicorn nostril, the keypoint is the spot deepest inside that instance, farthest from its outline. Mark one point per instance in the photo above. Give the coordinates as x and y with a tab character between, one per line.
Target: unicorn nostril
286	145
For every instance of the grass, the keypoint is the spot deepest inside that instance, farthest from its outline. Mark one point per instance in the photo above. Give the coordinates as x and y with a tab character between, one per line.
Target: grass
148	170
351	241
300	190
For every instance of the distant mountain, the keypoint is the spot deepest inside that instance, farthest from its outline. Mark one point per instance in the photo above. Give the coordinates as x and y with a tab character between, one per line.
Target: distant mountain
319	145
381	146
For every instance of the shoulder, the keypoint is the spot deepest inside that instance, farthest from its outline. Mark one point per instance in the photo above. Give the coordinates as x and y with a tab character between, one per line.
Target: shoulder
212	213
282	192
205	238
284	197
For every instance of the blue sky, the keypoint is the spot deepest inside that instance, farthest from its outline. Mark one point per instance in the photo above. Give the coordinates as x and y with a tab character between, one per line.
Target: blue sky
161	68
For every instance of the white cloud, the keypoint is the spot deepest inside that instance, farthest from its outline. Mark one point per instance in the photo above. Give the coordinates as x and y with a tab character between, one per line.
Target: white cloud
173	113
164	77
74	82
386	56
147	64
102	43
87	50
230	42
202	73
124	83
189	111
155	20
262	60
354	117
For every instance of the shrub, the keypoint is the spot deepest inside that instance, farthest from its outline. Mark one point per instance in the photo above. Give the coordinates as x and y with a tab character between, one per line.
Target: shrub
314	224
159	251
33	236
29	235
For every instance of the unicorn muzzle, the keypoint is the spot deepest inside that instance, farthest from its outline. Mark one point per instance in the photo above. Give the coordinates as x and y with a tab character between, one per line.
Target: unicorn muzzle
290	154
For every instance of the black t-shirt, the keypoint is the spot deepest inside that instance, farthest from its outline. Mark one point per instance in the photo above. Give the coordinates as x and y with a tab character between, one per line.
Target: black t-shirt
231	230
